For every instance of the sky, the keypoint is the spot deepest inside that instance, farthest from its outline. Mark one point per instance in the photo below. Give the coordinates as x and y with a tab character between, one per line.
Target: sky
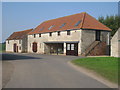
18	16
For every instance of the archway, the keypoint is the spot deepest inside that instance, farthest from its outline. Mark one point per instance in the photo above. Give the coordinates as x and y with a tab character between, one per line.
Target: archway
34	47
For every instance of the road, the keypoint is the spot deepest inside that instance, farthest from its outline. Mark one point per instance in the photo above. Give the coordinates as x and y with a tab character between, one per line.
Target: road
44	71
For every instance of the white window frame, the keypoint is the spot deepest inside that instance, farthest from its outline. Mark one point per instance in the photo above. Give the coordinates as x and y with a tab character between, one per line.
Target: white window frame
68	46
72	46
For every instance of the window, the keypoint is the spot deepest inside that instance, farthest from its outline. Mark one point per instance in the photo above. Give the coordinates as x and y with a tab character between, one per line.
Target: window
58	33
32	30
51	27
68	32
72	46
68	46
34	35
19	41
50	34
8	41
78	23
40	35
62	25
20	48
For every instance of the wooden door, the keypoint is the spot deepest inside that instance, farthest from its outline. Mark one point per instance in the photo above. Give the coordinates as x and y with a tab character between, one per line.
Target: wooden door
34	47
15	47
72	49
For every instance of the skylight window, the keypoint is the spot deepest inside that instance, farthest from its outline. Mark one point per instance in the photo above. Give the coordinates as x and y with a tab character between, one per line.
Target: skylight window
41	29
32	30
51	27
78	23
62	25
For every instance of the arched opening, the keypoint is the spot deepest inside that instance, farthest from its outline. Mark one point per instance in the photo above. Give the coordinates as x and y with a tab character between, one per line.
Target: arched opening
15	47
34	47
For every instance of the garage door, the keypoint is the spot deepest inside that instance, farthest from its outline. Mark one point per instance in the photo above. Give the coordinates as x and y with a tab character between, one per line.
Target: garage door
72	49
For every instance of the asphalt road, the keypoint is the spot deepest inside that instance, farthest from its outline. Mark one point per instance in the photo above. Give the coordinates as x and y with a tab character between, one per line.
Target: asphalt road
44	71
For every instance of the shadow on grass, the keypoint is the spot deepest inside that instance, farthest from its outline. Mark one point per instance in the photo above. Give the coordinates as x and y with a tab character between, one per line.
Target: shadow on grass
7	57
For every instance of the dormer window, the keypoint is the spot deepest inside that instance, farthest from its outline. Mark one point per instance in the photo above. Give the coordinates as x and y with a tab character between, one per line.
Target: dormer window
78	23
51	27
62	25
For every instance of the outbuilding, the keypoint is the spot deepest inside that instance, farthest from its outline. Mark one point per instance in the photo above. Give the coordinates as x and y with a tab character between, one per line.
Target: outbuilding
17	42
115	44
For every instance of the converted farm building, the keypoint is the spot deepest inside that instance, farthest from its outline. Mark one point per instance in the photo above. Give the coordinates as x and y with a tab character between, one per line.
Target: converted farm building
78	34
17	42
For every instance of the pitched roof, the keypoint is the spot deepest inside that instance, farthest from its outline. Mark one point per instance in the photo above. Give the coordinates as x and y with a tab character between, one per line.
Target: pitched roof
116	36
19	34
84	20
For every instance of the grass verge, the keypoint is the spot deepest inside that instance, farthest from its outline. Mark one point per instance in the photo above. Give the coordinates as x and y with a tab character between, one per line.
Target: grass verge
105	66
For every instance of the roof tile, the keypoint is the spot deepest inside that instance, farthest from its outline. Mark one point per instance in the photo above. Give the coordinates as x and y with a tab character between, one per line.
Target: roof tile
87	22
19	34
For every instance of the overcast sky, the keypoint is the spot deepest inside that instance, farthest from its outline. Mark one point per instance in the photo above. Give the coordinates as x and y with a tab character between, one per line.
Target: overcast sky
18	16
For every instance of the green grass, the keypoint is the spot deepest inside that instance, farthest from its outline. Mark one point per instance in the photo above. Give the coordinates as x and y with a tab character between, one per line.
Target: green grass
2	47
104	66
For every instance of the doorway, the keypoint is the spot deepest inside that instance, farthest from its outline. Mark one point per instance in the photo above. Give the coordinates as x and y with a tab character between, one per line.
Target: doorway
34	47
15	47
72	49
97	35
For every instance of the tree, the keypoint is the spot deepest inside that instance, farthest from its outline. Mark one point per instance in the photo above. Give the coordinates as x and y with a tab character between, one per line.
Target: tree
113	22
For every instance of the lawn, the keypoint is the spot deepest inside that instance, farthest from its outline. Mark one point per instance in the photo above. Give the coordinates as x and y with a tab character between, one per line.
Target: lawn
104	66
2	47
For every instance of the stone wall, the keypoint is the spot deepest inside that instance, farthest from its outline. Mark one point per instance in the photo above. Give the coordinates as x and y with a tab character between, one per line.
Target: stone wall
24	44
115	44
89	36
85	38
41	47
9	47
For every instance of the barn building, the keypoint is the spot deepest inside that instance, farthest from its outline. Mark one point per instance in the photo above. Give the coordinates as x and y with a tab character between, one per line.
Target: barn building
17	42
78	34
